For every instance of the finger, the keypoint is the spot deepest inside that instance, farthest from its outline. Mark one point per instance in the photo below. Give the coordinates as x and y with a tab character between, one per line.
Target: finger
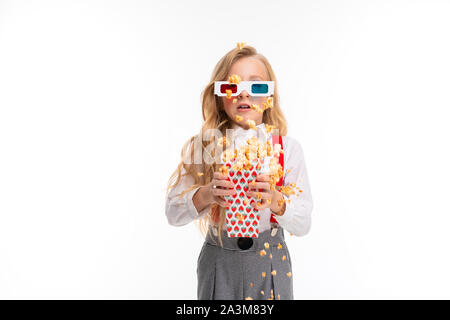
219	176
264	195
263	177
259	185
221	202
260	205
222	183
223	192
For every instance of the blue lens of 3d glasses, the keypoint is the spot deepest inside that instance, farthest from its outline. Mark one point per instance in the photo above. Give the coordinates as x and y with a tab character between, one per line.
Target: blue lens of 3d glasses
260	88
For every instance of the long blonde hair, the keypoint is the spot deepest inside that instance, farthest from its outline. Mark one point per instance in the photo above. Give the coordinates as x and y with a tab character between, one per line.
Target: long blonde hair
215	117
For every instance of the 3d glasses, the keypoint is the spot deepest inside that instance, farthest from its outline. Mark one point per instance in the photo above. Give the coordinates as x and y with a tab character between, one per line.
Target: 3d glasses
254	88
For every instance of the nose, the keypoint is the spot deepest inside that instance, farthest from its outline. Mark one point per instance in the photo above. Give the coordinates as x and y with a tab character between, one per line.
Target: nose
243	94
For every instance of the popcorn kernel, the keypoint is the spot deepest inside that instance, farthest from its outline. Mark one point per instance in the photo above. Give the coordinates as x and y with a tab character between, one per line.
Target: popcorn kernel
251	123
234	79
240	45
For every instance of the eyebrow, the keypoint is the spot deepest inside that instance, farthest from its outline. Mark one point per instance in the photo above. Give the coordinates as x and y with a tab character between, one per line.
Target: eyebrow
255	76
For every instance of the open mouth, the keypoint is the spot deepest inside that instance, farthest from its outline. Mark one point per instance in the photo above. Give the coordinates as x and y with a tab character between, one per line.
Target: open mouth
244	107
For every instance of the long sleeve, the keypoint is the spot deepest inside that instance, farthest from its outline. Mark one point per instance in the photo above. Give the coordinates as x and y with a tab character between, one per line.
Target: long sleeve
297	216
181	210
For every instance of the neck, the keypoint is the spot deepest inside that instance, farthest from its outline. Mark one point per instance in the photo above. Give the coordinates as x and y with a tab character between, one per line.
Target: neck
245	126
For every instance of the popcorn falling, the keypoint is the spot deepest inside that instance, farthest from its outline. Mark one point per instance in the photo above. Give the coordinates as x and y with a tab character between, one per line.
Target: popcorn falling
244	156
262	253
274	272
269	128
256	108
228	91
281	202
277	150
240	45
200	174
224	170
254	149
251	124
234	100
263	274
234	79
279	246
266	245
249	298
289	274
223	141
268	104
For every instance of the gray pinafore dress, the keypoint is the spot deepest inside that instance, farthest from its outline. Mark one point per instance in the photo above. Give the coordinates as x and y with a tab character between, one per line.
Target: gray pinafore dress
231	273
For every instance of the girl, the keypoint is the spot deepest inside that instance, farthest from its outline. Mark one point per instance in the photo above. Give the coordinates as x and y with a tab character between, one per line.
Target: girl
236	268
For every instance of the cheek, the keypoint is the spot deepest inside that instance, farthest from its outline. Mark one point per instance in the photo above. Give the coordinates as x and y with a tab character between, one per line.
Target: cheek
228	104
259	100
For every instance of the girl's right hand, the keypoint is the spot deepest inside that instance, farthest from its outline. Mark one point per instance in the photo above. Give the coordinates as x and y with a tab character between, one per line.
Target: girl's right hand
223	188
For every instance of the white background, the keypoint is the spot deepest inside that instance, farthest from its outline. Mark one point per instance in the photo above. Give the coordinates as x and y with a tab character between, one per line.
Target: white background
93	118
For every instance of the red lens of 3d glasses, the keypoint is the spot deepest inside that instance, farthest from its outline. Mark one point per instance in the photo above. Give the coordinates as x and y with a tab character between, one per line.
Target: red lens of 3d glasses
225	87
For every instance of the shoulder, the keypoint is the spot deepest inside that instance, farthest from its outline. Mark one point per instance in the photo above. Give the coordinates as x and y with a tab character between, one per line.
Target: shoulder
293	151
292	145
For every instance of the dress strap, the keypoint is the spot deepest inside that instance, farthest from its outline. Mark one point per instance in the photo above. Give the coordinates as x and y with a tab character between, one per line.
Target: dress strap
276	139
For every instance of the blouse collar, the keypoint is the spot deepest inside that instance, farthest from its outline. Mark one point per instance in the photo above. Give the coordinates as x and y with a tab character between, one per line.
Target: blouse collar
244	134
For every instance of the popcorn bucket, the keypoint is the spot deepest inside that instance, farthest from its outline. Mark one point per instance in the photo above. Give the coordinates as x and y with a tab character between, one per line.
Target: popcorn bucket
242	220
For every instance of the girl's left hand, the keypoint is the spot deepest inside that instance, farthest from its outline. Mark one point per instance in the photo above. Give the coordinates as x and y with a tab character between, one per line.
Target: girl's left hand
261	183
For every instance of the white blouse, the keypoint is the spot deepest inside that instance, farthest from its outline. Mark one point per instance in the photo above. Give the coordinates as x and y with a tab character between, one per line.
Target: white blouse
297	216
